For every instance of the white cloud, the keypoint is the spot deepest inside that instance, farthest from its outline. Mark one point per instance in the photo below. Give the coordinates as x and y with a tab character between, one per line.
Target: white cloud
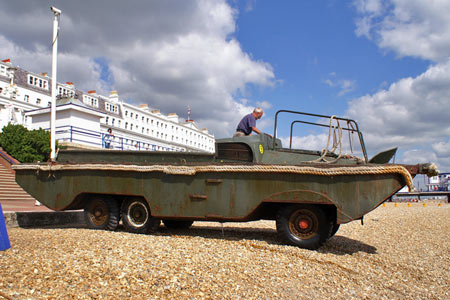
264	104
309	142
168	54
418	28
344	85
415	156
442	149
413	112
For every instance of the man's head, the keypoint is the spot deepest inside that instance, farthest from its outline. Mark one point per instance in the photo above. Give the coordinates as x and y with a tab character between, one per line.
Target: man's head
257	113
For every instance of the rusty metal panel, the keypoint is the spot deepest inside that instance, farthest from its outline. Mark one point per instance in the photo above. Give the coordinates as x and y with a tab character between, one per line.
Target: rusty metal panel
227	196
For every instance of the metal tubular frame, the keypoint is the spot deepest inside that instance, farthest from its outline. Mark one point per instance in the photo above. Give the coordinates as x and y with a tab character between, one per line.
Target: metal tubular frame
349	121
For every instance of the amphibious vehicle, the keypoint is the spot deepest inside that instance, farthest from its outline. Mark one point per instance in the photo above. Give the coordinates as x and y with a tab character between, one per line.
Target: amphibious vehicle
308	193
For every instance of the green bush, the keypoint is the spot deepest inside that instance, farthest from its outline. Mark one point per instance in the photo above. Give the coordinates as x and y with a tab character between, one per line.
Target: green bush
25	145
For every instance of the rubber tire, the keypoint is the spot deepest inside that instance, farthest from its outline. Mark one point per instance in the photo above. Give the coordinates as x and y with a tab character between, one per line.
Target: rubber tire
176	224
334	227
313	236
137	218
109	213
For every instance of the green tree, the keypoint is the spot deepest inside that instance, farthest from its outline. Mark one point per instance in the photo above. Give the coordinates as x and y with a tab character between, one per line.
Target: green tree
25	145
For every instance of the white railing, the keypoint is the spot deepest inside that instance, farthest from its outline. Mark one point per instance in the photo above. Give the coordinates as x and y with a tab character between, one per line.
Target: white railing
75	134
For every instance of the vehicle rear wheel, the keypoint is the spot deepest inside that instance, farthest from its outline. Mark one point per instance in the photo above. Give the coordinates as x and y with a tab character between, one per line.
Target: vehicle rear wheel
101	213
176	224
136	216
305	226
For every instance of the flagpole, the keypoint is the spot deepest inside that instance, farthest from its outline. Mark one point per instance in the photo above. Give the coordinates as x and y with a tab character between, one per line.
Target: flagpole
57	14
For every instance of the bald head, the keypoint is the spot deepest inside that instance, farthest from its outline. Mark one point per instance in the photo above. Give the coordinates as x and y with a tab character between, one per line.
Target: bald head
257	113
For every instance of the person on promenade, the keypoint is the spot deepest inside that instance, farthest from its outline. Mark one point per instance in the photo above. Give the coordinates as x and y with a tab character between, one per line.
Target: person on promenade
109	138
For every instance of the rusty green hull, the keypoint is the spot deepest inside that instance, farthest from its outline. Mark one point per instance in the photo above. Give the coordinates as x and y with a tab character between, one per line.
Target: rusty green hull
308	193
244	180
220	196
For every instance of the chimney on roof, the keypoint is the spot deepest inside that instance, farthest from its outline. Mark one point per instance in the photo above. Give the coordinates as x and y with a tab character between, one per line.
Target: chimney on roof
8	61
92	92
44	74
144	107
113	96
173	117
156	111
69	83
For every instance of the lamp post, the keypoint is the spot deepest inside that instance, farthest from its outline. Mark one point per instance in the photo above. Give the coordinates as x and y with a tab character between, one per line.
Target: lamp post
57	14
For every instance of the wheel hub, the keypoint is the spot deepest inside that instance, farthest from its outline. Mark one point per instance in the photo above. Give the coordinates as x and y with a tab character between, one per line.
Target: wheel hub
303	224
138	214
99	214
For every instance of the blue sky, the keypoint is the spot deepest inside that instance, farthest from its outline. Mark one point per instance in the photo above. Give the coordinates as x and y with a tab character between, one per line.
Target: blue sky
310	42
384	63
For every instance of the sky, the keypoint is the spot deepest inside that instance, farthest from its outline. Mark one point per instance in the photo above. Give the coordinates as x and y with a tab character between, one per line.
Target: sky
383	63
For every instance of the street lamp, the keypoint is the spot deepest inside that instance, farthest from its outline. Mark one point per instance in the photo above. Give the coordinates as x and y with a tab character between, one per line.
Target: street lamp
57	14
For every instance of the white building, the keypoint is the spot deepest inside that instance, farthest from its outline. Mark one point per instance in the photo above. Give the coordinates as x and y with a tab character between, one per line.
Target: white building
84	117
439	183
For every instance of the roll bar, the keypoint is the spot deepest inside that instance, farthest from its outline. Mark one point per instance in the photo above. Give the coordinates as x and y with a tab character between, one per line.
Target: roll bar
350	122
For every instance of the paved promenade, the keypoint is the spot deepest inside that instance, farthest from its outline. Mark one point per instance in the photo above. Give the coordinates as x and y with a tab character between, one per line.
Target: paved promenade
13	205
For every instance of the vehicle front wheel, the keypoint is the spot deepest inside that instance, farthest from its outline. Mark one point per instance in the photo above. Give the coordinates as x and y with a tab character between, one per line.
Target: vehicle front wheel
102	213
334	227
136	216
305	226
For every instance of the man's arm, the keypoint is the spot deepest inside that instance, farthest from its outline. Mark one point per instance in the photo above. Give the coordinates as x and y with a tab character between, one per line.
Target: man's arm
259	131
256	130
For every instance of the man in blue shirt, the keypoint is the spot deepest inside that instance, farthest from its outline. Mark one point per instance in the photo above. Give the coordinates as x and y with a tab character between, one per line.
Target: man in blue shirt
248	123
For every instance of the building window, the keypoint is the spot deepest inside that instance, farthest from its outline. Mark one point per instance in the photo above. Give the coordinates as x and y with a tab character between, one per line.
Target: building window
37	82
3	71
26	98
64	92
38	101
112	108
89	100
126	113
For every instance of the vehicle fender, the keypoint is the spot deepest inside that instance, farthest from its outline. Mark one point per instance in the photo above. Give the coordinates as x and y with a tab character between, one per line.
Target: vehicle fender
299	196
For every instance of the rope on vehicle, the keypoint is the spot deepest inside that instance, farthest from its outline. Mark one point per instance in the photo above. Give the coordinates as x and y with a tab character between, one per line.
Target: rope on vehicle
335	133
192	170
